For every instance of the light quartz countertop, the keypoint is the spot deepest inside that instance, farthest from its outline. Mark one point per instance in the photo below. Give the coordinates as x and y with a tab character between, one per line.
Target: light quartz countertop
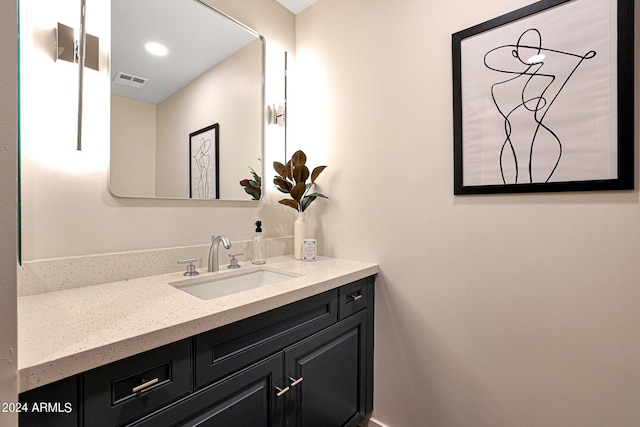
70	331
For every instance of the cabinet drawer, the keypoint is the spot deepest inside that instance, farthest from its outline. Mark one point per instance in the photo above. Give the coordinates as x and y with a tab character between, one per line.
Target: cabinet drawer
130	388
354	297
245	399
230	348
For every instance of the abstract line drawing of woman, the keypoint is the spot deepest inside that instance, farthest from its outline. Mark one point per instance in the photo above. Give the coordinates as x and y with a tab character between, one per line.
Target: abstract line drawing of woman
524	100
202	159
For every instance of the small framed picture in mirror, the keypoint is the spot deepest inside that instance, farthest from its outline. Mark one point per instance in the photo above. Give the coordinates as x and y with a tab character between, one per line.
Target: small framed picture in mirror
204	161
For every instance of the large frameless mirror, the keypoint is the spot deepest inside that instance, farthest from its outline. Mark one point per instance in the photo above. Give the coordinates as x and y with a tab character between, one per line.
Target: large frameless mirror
187	102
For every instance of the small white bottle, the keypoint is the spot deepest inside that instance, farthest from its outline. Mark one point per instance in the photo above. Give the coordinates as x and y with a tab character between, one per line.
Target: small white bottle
258	246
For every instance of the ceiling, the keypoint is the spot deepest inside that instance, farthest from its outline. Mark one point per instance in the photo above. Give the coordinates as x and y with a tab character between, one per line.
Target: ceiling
194	48
296	6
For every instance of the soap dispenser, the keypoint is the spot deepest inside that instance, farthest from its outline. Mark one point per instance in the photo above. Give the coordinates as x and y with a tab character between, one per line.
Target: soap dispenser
258	246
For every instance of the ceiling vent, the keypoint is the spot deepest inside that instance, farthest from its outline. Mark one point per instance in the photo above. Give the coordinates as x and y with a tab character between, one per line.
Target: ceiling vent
126	79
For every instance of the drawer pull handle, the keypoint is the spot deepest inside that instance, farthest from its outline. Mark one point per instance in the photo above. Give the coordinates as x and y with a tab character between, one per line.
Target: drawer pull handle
145	385
295	382
281	391
355	297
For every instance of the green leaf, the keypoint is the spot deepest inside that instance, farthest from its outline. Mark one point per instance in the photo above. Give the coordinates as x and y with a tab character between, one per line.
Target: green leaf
318	195
306	201
253	193
316	171
252	188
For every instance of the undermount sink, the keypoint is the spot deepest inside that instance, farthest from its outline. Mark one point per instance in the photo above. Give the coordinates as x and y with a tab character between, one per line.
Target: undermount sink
231	283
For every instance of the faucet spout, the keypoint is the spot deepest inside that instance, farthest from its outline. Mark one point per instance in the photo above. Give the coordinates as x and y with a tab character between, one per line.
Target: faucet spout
213	251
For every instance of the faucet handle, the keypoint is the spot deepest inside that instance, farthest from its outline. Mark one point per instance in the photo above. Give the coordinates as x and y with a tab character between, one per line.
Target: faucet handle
191	268
234	261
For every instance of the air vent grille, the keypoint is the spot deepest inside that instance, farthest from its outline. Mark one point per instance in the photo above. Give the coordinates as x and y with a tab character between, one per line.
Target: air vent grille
127	79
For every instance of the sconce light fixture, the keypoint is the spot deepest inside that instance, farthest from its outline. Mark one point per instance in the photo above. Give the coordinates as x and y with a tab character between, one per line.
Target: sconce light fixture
276	114
68	47
82	49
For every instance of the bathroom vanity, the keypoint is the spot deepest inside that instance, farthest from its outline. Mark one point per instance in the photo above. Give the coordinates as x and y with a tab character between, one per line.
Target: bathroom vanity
299	352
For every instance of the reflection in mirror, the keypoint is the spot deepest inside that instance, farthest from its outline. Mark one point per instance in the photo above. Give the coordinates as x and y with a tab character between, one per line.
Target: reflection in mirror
203	71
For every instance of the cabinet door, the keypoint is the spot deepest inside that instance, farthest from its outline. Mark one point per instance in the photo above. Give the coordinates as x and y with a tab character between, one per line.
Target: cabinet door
246	399
332	366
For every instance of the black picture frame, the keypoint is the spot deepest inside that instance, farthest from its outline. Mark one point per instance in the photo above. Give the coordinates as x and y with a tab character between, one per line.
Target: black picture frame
469	151
204	163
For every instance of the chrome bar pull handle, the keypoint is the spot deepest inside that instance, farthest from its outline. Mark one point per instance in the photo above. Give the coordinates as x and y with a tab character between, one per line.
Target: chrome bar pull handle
355	297
295	382
145	385
281	391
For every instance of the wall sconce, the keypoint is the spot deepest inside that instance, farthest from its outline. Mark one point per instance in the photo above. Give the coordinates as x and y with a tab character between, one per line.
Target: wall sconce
68	47
276	114
83	50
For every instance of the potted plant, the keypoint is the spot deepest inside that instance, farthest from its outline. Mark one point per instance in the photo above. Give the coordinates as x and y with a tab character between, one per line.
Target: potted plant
253	187
292	179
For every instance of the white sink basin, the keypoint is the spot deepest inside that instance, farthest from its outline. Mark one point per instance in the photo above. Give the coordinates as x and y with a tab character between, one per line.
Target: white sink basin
231	283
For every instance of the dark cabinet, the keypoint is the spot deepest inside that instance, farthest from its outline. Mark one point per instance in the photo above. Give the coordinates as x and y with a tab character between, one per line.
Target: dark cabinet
246	399
224	350
123	391
309	363
328	370
52	405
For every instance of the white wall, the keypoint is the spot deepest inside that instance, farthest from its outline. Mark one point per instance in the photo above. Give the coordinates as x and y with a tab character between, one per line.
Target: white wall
132	165
497	311
8	207
67	209
233	108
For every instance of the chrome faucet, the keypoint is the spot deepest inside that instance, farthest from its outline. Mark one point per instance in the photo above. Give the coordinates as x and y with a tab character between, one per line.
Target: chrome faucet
214	264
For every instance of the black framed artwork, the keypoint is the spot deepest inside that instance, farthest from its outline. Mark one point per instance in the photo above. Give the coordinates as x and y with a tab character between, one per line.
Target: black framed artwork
204	163
543	99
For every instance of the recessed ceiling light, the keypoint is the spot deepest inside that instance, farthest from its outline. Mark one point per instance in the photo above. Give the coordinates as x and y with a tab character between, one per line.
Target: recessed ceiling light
156	49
